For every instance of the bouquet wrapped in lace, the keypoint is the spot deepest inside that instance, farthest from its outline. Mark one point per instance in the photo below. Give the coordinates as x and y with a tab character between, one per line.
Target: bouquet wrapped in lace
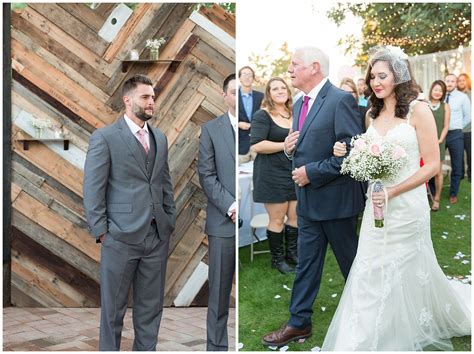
377	160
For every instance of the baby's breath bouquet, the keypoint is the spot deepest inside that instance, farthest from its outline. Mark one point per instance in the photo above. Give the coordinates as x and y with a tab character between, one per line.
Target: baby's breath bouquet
154	46
377	160
39	124
154	43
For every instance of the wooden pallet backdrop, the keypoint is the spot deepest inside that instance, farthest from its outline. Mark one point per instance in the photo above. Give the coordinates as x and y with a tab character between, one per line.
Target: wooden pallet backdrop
64	71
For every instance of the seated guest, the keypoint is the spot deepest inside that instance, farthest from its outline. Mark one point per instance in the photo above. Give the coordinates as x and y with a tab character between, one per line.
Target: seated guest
272	179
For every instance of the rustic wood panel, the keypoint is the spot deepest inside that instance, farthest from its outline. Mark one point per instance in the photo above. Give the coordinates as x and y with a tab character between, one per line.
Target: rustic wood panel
65	72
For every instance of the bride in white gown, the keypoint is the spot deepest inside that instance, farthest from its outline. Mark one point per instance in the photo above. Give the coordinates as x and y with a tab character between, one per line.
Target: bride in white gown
396	296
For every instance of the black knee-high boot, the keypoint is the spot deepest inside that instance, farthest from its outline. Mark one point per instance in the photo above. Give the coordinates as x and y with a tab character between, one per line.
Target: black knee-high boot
291	237
275	240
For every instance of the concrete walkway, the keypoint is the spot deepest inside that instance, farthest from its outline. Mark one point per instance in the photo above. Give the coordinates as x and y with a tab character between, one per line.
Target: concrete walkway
77	329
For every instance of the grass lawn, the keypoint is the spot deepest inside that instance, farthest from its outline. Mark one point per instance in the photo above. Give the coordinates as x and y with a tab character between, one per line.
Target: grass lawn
260	312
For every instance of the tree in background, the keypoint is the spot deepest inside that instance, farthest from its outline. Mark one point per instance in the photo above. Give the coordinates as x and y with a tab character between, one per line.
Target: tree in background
418	28
270	64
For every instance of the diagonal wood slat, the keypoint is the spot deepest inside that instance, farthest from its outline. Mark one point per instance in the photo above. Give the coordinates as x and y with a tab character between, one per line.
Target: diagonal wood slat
65	72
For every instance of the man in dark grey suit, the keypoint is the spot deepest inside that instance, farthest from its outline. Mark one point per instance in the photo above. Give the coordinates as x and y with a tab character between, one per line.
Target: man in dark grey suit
128	198
216	169
328	202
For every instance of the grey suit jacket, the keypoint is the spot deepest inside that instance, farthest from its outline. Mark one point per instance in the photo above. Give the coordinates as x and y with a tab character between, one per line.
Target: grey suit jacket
120	199
216	167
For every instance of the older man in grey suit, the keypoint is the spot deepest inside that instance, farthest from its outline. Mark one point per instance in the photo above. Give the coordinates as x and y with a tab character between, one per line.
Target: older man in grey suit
128	198
216	169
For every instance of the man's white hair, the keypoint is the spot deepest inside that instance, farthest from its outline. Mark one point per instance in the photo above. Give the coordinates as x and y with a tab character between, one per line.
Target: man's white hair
311	54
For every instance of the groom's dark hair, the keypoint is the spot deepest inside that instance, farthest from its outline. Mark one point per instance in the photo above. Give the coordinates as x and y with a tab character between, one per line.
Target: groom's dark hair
226	82
134	81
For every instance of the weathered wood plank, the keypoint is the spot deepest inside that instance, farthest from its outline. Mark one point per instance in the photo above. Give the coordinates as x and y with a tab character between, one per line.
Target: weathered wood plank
52	101
52	222
181	112
126	31
22	285
56	54
24	98
23	299
183	151
82	12
56	33
201	116
215	43
187	272
59	247
213	59
73	27
87	289
15	191
220	17
38	277
184	220
42	157
181	55
184	251
62	88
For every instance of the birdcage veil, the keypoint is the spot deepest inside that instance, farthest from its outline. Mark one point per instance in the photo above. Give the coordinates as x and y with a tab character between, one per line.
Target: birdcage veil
396	57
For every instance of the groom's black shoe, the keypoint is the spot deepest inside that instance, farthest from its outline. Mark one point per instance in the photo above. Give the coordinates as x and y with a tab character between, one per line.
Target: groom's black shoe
285	335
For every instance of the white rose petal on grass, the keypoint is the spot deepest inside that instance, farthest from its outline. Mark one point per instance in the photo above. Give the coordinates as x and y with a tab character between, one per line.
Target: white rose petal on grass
445	232
273	348
316	349
456	257
444	237
240	346
284	349
334	295
253	331
449	277
330	279
445	266
277	297
286	288
465	262
447	206
323	308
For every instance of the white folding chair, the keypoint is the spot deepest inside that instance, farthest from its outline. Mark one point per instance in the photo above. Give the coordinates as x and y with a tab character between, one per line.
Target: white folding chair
258	221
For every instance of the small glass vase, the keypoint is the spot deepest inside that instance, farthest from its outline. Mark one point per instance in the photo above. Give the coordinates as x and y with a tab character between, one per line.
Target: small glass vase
154	53
38	132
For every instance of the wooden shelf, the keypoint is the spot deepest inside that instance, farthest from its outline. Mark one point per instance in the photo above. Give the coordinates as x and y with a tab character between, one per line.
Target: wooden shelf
26	142
174	63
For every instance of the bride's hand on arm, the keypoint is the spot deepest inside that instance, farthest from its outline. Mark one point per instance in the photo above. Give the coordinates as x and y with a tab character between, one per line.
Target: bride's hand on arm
339	149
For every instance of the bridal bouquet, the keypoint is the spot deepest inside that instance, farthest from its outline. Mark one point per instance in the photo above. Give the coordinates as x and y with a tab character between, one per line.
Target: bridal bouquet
372	159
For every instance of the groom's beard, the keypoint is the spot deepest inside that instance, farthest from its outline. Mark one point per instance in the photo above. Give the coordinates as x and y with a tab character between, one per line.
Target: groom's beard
140	113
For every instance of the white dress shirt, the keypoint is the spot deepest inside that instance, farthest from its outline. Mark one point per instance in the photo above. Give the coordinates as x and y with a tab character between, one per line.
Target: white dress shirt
134	128
233	122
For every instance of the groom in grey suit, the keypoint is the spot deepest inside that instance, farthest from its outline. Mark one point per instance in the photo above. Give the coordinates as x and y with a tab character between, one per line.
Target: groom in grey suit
128	198
216	169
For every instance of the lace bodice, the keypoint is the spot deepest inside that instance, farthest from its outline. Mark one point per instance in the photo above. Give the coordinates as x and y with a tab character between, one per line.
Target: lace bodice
403	134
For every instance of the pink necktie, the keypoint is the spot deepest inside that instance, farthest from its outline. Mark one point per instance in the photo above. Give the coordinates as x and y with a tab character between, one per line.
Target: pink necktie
141	138
304	112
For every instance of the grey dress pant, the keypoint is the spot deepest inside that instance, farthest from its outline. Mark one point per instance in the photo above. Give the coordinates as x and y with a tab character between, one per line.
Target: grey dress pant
221	274
144	266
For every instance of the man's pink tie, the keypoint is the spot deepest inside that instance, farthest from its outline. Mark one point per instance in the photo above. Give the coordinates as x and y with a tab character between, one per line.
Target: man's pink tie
141	138
304	112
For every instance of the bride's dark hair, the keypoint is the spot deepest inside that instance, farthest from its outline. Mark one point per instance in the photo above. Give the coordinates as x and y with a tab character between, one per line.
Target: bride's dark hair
404	93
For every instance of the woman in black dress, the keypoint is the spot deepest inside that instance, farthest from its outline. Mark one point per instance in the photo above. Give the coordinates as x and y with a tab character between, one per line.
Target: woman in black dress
272	180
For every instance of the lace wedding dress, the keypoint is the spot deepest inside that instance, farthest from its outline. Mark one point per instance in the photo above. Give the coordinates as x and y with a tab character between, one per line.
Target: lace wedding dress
396	296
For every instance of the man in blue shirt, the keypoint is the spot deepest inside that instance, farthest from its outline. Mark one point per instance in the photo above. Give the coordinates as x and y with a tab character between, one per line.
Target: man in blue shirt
361	87
249	102
460	118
